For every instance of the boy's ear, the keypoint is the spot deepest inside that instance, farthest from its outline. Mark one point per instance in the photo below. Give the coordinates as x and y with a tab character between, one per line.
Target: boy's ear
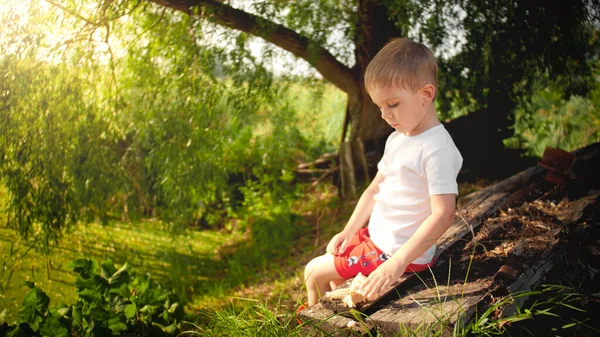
428	93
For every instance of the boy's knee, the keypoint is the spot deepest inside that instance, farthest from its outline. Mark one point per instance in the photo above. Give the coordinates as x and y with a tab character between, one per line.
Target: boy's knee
309	270
314	270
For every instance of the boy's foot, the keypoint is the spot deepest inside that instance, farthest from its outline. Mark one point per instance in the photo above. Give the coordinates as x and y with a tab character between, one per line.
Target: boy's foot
299	309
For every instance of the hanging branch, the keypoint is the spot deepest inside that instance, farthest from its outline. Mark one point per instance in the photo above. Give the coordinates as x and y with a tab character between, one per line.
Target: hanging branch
321	59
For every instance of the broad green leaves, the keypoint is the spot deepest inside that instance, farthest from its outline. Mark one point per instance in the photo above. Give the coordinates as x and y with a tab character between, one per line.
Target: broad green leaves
35	305
53	327
111	302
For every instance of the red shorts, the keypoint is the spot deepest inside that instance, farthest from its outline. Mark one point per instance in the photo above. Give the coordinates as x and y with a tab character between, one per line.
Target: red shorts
363	256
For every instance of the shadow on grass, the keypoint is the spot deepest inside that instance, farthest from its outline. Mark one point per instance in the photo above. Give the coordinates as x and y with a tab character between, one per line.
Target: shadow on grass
187	264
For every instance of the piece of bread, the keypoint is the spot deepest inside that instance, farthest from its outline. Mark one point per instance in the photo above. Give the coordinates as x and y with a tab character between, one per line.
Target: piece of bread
355	293
352	295
337	294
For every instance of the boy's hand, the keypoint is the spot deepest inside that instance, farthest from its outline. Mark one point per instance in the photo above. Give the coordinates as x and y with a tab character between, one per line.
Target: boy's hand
381	279
339	243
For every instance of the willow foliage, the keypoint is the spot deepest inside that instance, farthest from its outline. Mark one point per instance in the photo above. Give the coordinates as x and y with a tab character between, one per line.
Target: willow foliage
123	119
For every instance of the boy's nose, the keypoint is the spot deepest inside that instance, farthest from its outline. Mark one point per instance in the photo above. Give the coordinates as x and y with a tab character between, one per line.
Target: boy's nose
385	114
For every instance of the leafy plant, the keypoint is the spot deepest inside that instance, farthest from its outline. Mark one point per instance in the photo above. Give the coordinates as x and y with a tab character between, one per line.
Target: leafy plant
548	118
110	301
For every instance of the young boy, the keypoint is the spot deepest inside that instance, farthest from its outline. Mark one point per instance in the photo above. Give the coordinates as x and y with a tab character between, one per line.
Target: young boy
411	201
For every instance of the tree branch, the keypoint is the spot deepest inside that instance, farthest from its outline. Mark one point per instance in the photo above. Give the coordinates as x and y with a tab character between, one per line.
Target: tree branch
332	70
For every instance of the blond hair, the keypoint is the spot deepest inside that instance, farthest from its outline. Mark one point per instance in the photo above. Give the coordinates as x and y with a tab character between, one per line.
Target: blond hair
402	63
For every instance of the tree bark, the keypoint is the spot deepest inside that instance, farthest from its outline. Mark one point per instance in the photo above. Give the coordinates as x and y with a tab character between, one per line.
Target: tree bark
363	119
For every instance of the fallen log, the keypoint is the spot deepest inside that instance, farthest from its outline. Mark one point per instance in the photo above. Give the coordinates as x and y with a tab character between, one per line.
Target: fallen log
393	314
431	308
427	310
485	203
575	212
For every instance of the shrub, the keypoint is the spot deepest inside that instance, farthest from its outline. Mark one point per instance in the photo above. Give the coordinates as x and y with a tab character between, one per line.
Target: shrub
548	118
110	301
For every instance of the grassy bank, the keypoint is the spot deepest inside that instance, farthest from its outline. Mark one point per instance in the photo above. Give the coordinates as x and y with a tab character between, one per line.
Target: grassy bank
208	269
188	263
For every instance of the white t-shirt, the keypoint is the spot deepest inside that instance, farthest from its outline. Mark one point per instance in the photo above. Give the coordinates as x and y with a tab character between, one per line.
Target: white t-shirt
414	168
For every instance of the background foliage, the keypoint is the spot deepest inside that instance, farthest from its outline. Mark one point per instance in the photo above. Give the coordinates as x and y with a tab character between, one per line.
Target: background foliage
127	109
552	117
152	127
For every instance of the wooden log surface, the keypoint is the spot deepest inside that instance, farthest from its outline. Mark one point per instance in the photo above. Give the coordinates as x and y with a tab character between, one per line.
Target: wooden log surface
532	277
405	311
424	307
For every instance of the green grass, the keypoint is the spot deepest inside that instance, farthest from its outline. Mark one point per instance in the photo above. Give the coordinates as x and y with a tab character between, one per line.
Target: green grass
201	266
188	263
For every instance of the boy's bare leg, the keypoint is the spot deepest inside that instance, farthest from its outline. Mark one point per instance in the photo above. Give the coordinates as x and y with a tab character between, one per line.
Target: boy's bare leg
319	272
336	283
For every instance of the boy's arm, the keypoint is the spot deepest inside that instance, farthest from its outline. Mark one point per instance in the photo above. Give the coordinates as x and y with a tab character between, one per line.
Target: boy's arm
443	207
359	217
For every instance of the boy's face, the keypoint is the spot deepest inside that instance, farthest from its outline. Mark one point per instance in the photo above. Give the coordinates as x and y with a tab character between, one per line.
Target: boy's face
402	109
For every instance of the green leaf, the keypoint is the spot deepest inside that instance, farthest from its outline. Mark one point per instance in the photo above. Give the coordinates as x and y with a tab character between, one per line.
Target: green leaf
130	310
84	283
151	309
77	316
37	299
52	327
108	268
85	267
122	291
31	316
121	276
64	311
170	329
148	311
97	314
116	324
173	307
88	295
100	284
144	283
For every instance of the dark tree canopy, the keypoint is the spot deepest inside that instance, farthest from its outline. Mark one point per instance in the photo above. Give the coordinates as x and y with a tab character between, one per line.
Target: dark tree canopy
502	48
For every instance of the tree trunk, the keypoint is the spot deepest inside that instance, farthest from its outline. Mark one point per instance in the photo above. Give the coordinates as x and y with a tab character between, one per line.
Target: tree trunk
361	147
367	130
